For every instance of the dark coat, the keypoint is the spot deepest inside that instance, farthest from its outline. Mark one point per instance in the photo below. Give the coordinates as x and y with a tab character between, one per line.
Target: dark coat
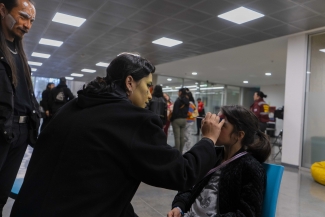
92	156
180	108
7	91
241	188
159	106
54	106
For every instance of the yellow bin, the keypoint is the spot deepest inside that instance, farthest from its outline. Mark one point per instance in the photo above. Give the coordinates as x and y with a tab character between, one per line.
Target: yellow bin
318	172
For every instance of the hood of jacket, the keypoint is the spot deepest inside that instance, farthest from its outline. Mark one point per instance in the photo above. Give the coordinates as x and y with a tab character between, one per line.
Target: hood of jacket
86	100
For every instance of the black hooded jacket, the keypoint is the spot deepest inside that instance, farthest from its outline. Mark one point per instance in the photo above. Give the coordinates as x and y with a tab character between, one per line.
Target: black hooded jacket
91	158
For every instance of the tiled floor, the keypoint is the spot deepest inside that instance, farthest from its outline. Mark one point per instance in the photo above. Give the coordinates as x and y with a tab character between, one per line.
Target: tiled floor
299	195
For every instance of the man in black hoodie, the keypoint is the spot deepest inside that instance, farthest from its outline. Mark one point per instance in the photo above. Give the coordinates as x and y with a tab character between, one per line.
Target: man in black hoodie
59	95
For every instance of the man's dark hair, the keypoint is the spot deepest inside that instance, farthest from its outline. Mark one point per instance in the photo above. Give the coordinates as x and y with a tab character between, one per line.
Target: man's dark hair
10	4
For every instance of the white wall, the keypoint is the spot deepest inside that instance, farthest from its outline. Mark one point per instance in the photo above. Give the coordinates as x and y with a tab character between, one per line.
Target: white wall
294	99
75	86
275	97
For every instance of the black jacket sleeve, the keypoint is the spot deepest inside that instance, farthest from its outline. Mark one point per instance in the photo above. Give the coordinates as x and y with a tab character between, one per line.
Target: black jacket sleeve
69	94
160	165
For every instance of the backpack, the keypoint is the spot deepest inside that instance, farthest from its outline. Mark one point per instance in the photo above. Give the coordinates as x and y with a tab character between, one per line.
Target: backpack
60	97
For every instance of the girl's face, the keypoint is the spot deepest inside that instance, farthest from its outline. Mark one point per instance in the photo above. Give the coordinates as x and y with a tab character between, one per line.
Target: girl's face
226	138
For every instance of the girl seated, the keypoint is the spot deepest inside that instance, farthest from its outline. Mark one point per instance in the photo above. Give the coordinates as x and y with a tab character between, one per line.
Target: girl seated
235	187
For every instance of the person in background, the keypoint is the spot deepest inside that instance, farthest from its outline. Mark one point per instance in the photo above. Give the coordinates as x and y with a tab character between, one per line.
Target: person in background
200	108
189	122
19	110
169	112
158	104
93	155
235	187
45	104
59	96
261	109
178	118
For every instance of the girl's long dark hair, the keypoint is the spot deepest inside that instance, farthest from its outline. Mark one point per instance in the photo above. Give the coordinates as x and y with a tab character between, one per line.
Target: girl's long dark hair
157	91
10	4
255	141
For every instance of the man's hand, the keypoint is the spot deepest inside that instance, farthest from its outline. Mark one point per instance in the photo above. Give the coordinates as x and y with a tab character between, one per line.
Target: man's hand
174	213
211	127
47	113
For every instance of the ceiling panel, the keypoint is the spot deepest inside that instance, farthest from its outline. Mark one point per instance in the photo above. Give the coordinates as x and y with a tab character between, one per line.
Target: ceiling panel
215	8
164	8
310	23
293	14
218	37
192	16
267	7
282	30
317	5
147	17
217	24
258	36
174	25
197	31
263	23
116	9
87	4
238	31
106	19
134	3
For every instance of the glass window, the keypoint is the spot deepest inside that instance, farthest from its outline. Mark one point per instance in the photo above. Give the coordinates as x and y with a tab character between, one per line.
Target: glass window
233	95
314	134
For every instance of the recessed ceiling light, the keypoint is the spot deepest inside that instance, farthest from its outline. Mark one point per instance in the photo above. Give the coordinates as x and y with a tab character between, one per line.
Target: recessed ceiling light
268	73
241	15
50	42
33	69
88	70
196	83
31	73
167	42
68	19
169	79
41	55
161	85
245	82
77	75
194	73
34	63
308	72
102	64
322	50
69	78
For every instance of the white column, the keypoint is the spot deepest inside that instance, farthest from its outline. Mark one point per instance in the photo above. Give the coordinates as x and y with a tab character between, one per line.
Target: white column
294	100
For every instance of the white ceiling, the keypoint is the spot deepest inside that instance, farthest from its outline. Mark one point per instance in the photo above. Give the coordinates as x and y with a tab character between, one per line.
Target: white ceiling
233	66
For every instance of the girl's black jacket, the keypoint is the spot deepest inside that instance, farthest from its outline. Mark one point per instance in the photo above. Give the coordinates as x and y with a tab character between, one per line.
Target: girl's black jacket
241	188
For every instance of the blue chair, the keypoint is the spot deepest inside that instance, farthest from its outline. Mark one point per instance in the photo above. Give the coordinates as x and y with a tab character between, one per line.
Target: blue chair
16	187
274	175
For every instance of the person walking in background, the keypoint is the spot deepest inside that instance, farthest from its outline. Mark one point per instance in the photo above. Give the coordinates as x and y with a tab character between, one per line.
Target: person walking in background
236	186
59	96
45	104
200	108
169	112
261	109
19	110
191	116
178	118
158	104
